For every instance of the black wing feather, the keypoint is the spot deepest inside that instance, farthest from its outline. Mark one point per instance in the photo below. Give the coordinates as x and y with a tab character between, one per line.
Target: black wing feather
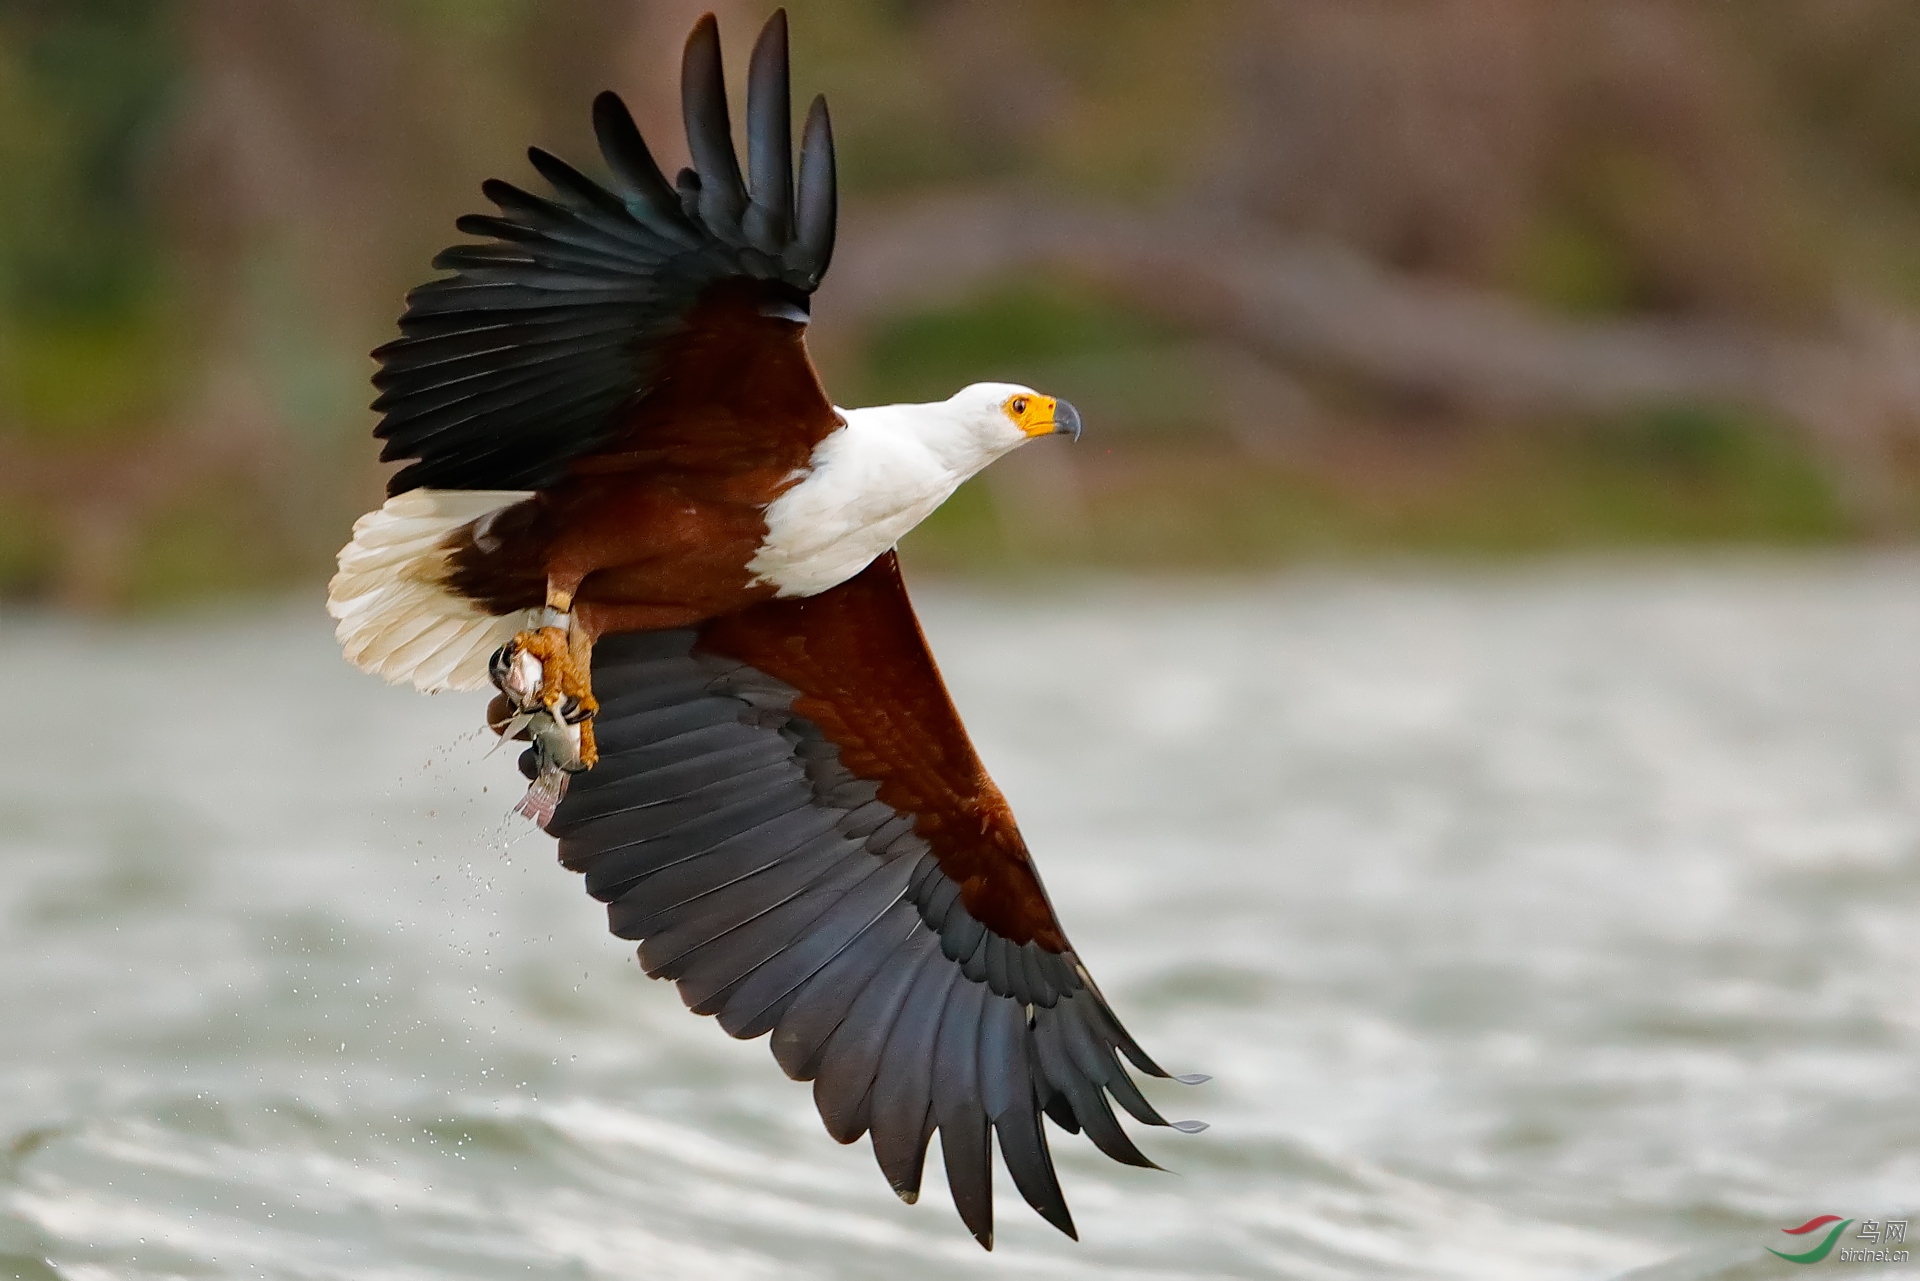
584	290
785	897
901	1111
703	102
753	1008
812	248
800	1038
966	1146
845	1079
769	217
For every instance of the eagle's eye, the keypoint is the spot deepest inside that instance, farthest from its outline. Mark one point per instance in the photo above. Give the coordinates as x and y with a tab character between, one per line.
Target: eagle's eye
1019	404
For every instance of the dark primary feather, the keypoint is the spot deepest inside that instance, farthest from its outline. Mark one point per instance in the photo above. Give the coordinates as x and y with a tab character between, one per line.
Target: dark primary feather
800	1037
545	341
756	1005
844	1080
769	220
650	201
703	102
900	1113
819	192
965	1146
784	896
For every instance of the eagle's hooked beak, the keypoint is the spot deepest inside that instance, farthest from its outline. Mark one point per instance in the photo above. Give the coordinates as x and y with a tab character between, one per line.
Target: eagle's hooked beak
1066	420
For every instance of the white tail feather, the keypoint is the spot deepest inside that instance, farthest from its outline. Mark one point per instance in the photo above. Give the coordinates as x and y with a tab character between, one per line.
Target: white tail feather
396	617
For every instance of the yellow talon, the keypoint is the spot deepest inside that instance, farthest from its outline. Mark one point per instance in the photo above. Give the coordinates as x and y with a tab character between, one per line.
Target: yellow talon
564	674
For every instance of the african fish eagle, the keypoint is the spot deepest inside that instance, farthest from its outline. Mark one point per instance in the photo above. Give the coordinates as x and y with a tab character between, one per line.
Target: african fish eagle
624	467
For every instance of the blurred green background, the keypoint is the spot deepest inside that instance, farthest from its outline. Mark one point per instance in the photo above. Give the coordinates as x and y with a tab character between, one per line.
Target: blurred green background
1327	280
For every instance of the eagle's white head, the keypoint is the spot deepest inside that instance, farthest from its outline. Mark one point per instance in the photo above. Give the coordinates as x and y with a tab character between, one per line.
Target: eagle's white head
997	417
886	470
976	424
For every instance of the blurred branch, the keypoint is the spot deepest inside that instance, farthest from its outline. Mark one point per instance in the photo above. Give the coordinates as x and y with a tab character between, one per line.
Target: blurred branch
1314	304
100	496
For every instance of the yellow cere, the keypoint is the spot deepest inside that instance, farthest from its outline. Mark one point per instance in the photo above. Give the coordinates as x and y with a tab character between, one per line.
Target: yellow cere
1033	414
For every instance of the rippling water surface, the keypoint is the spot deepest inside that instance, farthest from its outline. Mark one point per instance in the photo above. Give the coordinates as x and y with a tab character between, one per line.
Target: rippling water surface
1556	923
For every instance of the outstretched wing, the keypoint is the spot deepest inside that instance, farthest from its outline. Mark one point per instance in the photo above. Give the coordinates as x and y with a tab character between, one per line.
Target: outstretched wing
625	318
789	816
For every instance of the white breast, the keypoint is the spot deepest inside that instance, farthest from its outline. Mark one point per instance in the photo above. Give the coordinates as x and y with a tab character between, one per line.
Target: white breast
866	486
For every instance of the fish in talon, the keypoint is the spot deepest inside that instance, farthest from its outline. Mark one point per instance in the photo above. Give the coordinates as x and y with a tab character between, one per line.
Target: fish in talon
553	722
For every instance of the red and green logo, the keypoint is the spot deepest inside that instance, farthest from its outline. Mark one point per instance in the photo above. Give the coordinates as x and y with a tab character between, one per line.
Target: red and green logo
1821	1250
